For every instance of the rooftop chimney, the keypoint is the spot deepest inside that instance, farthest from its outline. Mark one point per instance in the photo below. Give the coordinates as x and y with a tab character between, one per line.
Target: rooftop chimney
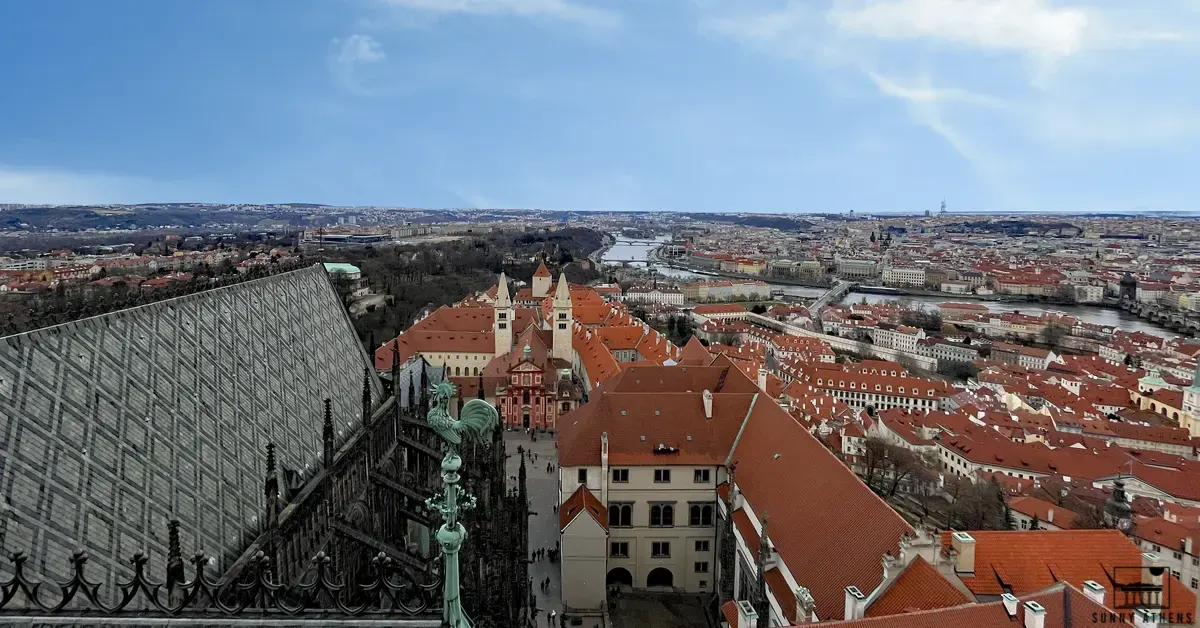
1035	615
747	616
1050	516
804	606
762	379
1094	591
964	545
855	603
708	399
1010	604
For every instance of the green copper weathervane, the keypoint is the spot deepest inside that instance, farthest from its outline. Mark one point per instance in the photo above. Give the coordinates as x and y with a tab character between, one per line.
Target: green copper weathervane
474	424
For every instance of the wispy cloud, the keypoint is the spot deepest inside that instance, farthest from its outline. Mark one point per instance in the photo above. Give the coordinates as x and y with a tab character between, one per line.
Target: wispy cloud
1031	26
557	9
347	57
56	187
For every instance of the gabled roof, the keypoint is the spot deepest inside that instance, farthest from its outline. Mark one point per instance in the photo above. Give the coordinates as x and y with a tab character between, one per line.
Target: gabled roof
1026	561
1065	607
542	271
919	588
581	501
694	353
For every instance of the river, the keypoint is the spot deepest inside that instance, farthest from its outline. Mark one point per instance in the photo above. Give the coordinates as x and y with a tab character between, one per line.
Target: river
631	251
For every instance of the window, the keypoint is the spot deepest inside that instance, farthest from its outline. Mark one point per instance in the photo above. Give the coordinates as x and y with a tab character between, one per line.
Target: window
701	476
1195	583
1175	574
702	567
700	515
620	515
704	584
526	398
1156	548
1177	555
503	325
662	475
583	476
562	316
562	325
620	476
503	316
660	549
662	515
619	549
701	546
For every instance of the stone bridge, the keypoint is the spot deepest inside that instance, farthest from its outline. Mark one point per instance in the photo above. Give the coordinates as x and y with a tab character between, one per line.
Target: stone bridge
835	294
1175	320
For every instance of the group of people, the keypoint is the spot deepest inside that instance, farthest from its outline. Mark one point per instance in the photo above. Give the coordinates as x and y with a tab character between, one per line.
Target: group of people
541	553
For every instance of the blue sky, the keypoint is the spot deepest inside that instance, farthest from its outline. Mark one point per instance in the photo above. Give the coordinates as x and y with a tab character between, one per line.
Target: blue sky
701	105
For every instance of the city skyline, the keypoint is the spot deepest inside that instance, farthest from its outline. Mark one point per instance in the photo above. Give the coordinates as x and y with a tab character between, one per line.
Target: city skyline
877	106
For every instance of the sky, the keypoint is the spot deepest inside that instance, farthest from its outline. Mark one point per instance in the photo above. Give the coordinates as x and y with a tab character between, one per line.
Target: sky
693	105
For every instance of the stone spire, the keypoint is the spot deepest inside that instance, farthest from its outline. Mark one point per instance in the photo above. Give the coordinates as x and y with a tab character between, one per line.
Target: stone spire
728	544
272	488
503	319
366	397
175	575
502	297
327	434
396	371
761	605
561	348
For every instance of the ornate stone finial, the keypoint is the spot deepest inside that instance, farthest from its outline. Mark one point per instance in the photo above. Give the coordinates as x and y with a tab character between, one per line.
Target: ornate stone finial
480	394
175	575
366	397
327	433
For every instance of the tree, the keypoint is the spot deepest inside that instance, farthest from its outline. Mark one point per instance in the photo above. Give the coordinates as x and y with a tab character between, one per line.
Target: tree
979	506
1034	523
958	370
759	308
1128	359
1054	333
1090	518
872	237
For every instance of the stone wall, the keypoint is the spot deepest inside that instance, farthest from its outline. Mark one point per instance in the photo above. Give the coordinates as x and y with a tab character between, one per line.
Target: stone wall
111	426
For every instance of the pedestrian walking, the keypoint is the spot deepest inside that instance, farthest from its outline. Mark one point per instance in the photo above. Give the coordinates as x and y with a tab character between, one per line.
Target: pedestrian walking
553	614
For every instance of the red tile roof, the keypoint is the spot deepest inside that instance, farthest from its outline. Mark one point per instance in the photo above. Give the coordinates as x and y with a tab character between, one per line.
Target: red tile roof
920	587
1023	562
1065	607
581	501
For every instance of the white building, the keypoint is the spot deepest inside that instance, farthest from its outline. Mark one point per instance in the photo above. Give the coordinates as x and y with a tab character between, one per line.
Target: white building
663	296
904	276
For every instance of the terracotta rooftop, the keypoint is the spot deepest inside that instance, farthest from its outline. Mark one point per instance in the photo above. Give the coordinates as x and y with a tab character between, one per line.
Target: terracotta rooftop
581	501
919	588
1065	607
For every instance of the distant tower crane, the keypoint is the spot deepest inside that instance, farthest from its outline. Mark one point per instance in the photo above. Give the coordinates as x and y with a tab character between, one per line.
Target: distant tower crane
942	211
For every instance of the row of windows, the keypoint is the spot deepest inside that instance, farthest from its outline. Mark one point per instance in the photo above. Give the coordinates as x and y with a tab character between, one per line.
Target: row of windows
854	386
658	549
661	515
661	476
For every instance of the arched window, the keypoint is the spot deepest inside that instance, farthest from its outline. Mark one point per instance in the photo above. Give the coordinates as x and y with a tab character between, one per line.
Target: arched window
620	515
662	515
457	371
475	371
526	398
700	515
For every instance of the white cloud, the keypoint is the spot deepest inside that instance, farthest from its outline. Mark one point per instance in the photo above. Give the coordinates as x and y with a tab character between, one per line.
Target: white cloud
1031	26
347	56
56	187
557	9
925	93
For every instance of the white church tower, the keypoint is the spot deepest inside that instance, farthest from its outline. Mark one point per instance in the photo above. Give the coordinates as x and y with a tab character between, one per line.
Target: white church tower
541	281
502	321
562	321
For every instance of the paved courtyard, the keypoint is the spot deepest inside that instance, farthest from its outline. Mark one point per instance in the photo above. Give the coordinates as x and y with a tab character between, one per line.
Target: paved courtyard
543	526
